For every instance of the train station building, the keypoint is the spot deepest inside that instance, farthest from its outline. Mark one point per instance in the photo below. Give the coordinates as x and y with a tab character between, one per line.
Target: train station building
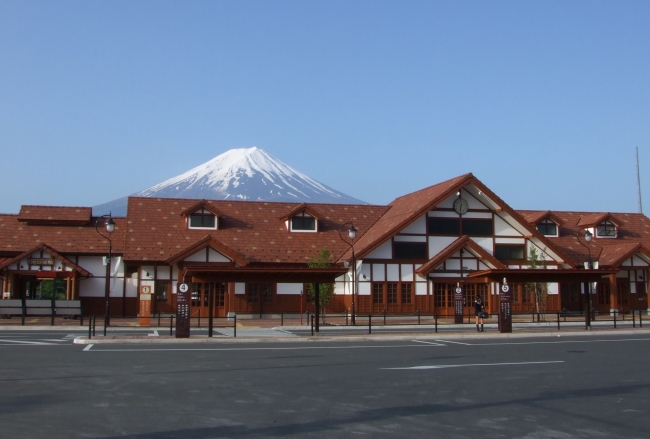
405	257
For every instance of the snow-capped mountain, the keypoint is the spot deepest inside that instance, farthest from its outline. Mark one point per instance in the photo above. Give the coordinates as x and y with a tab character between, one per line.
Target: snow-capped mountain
238	174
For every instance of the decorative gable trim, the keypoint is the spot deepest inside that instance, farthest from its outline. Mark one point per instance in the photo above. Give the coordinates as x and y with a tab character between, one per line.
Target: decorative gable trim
461	243
304	207
593	220
627	254
56	255
208	241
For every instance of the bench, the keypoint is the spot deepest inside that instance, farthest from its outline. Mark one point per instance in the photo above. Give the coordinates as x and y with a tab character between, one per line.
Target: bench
12	307
69	309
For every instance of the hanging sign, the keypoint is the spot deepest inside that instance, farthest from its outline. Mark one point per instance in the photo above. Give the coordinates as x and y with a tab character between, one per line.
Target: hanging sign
183	298
505	307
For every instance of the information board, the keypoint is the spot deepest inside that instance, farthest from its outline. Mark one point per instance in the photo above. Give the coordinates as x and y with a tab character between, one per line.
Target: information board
183	298
459	301
505	307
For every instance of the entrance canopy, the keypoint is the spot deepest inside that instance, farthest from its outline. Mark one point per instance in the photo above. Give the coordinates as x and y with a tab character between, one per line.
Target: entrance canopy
262	273
536	275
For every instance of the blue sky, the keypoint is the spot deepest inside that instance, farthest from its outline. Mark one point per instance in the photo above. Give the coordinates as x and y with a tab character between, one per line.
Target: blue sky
544	101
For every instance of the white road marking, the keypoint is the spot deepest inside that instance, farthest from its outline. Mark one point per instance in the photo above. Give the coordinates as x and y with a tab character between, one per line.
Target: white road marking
155	334
26	342
54	339
264	349
446	366
454	342
87	348
428	342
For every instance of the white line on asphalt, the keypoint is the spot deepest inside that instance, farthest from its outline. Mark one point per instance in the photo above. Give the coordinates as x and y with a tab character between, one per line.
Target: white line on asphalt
454	342
54	339
286	332
546	342
263	349
27	342
87	348
155	334
428	342
446	366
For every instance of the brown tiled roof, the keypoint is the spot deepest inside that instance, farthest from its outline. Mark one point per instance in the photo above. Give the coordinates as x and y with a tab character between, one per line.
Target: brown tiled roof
156	231
54	214
17	237
633	229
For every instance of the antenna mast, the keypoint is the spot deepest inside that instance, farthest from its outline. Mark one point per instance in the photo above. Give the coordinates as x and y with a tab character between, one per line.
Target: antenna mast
638	179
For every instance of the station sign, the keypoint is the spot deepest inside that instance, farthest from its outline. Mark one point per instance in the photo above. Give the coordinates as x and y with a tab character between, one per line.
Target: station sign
183	298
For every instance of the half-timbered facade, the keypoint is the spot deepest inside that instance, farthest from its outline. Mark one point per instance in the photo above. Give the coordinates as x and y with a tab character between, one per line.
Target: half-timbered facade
251	257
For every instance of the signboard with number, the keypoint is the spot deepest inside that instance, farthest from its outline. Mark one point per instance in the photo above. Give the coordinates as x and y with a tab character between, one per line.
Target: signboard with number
459	301
505	308
183	298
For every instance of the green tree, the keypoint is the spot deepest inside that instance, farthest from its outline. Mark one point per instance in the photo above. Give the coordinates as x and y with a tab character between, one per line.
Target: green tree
538	289
321	260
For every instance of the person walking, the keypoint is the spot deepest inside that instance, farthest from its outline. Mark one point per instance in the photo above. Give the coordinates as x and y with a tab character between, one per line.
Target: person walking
478	312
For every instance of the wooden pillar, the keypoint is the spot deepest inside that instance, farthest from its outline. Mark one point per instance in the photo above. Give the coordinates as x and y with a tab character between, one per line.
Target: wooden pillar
613	294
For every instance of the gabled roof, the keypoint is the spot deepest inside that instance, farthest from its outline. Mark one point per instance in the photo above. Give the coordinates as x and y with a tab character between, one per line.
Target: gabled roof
208	241
451	249
304	207
593	219
203	204
536	217
408	208
55	215
46	248
615	255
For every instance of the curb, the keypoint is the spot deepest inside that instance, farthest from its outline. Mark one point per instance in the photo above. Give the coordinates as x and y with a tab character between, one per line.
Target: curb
351	338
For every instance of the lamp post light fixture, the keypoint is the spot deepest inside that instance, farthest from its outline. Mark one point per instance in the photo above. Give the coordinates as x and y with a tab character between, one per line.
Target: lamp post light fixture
590	265
351	235
110	226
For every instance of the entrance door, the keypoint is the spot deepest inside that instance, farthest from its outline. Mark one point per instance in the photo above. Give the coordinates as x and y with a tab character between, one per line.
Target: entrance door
200	304
623	292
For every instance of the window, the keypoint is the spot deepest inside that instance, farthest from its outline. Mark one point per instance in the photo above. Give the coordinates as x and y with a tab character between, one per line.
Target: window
202	219
528	293
509	252
603	293
472	291
196	294
606	229
255	290
162	291
392	292
409	250
220	294
621	293
477	227
457	226
377	294
444	226
547	228
440	294
304	222
406	290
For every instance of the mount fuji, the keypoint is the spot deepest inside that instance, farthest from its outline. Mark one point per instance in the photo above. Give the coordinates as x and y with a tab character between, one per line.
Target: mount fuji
238	174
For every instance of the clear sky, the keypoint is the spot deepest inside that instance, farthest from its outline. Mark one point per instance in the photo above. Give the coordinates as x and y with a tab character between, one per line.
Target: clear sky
544	101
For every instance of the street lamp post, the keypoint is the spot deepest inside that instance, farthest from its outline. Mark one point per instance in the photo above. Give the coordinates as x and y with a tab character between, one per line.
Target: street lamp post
590	266
110	226
351	234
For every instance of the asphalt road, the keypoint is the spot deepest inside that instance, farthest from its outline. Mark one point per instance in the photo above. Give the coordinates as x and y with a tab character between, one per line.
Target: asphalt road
563	388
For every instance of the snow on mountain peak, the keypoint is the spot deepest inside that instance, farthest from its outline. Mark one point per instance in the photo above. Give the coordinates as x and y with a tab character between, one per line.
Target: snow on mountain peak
241	174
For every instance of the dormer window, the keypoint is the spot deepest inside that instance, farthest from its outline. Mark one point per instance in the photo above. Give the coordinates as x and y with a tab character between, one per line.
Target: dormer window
303	222
302	218
202	219
547	228
606	229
